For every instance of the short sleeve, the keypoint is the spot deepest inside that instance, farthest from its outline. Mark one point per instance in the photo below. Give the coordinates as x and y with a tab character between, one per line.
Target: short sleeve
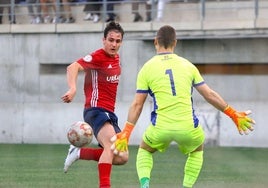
142	82
198	79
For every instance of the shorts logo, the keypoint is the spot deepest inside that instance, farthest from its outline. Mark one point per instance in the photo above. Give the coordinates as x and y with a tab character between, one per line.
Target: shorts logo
87	58
148	139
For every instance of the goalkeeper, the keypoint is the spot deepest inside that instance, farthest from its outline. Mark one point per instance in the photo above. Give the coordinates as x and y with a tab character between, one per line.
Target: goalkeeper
169	80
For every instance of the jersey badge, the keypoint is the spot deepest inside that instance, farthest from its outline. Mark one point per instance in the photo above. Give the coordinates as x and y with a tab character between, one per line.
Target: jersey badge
87	58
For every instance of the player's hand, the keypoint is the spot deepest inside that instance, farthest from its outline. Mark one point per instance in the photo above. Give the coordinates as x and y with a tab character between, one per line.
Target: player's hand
68	96
120	140
241	119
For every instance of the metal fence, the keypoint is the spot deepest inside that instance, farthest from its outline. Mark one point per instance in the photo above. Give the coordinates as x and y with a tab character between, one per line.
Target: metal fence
12	5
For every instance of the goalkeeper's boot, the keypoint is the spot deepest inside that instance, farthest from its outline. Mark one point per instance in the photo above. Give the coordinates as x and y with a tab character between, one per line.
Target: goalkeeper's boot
73	155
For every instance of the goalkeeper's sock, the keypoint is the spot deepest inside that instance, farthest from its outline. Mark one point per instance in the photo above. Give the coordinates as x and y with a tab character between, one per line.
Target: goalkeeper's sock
90	153
144	182
144	166
192	168
104	174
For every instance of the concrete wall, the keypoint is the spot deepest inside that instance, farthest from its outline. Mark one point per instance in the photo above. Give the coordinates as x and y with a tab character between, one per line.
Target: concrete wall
32	68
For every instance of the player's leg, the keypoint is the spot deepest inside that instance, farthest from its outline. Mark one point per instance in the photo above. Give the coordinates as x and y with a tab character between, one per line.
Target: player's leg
90	154
97	118
192	145
153	140
144	164
193	167
95	153
106	126
75	153
104	155
107	156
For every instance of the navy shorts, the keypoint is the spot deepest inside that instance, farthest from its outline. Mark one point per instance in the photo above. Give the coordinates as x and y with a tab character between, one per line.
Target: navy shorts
96	118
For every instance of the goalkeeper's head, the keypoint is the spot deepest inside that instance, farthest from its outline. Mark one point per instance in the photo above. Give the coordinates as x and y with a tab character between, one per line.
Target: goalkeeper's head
166	37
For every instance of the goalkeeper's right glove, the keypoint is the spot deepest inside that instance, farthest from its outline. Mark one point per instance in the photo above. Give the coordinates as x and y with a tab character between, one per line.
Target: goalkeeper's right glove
120	140
241	120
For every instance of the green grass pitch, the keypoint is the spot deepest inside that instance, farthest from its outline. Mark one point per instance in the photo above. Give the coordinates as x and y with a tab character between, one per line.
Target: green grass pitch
41	166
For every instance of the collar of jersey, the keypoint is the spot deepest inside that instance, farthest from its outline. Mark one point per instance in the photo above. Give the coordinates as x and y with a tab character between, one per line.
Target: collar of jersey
164	53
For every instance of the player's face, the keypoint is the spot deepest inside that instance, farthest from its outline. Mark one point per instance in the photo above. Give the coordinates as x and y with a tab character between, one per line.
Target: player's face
112	42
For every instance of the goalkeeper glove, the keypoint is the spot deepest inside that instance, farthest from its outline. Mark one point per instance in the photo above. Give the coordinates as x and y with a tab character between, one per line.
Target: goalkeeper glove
120	140
241	120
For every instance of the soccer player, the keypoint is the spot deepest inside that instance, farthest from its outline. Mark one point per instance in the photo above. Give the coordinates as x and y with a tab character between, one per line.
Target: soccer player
169	79
102	70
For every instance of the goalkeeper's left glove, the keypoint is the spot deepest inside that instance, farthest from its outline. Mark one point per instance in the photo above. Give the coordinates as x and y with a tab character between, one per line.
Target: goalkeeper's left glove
120	140
241	120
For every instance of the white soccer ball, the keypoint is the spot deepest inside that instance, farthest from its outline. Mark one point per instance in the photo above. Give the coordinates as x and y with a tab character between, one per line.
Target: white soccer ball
80	134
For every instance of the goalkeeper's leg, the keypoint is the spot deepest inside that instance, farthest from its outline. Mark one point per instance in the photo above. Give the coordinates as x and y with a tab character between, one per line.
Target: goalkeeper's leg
192	167
144	167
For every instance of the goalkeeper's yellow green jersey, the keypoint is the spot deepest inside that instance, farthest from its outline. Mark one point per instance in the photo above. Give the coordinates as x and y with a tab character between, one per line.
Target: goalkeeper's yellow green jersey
170	79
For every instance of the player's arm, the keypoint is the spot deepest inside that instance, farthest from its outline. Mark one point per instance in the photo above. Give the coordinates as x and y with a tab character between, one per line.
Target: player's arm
212	97
121	139
241	120
136	107
72	74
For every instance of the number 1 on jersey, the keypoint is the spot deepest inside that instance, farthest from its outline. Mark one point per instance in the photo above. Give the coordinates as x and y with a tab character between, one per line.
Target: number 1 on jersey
169	72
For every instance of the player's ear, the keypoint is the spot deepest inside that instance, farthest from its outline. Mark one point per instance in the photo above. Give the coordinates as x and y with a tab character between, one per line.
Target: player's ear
175	43
155	41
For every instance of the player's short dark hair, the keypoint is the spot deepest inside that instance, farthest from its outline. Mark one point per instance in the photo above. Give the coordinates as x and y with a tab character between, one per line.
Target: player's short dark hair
113	26
166	36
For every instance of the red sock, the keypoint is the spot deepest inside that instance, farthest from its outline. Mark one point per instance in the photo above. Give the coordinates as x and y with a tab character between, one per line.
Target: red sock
104	174
90	153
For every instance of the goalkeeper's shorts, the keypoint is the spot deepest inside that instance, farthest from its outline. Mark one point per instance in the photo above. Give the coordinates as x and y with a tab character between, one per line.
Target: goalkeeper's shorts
187	140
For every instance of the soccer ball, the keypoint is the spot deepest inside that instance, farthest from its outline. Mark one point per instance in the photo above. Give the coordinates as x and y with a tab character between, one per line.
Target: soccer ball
80	134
